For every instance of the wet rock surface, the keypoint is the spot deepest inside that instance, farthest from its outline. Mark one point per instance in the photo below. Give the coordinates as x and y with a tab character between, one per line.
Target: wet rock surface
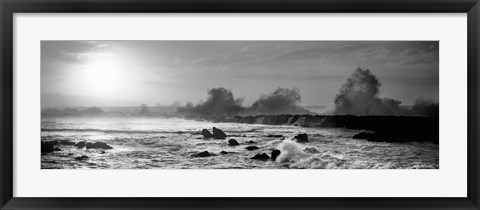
81	144
262	157
303	138
98	145
250	148
202	154
275	154
80	158
233	142
47	147
206	134
218	134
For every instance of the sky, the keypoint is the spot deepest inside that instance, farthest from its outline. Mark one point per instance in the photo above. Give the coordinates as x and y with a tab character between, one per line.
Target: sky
169	72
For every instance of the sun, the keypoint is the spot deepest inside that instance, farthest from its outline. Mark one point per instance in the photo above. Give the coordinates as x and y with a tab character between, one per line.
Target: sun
102	77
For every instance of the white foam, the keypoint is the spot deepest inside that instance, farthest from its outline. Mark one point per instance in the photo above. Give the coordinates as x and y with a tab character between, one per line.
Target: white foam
290	150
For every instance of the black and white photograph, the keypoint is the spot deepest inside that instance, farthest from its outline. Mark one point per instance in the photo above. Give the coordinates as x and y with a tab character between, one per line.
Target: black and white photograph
238	104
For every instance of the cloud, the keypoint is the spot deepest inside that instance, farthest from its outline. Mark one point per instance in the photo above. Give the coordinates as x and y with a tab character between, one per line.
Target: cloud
274	53
418	53
289	77
425	80
72	51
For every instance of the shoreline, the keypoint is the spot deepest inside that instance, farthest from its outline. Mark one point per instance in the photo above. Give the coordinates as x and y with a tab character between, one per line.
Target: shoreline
381	128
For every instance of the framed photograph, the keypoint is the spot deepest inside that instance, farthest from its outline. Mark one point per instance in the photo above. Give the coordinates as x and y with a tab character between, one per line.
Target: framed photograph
239	104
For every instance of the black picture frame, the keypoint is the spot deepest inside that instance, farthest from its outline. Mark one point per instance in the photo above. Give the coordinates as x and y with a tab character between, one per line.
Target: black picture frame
10	7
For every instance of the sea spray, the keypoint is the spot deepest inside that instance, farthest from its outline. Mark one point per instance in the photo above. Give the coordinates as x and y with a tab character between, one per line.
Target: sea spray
275	143
290	150
281	101
360	95
299	156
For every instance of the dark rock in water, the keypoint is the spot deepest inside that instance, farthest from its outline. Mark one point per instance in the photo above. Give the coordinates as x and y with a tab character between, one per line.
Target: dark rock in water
233	142
61	142
250	148
263	157
81	144
202	154
206	134
275	136
364	135
83	157
301	137
47	147
275	154
162	137
56	149
102	152
250	142
55	142
218	134
223	152
66	142
388	137
313	150
98	145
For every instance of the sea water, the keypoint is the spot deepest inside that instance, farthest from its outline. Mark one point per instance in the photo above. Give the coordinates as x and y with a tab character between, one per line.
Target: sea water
169	143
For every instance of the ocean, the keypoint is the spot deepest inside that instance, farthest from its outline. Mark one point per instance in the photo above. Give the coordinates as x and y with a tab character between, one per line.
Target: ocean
169	143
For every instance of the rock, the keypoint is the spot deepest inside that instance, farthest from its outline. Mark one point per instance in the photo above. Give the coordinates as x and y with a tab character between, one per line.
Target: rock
364	135
98	145
81	144
275	154
47	147
55	142
223	152
275	136
250	148
66	142
202	154
263	157
301	137
83	157
218	134
56	149
102	152
310	150
250	142
233	142
206	134
300	122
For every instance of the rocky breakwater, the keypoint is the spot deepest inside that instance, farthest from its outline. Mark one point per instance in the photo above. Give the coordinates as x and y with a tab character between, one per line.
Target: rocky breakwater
376	128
